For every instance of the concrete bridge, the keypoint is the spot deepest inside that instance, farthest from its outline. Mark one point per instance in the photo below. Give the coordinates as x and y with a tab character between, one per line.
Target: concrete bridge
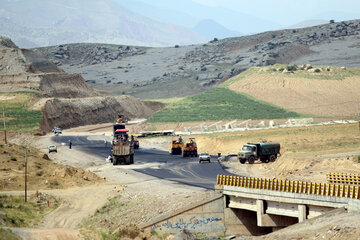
254	206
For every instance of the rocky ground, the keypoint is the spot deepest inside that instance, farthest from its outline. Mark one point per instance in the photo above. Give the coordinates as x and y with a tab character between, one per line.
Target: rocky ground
185	70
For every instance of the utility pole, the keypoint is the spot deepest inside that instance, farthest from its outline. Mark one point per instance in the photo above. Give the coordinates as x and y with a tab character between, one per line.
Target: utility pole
25	174
5	139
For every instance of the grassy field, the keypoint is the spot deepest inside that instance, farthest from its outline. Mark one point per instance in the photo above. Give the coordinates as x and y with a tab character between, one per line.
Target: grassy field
218	104
7	234
19	117
18	213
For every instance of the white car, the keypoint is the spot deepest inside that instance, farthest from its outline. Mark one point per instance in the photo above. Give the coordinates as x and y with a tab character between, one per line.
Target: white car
57	130
52	148
204	157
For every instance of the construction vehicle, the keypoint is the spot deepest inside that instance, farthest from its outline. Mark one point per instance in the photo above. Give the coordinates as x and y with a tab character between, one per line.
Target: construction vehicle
176	146
135	142
265	152
121	119
122	147
189	148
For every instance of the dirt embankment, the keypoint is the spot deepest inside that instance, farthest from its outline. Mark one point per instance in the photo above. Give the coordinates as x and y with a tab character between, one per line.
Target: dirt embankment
84	111
43	173
64	85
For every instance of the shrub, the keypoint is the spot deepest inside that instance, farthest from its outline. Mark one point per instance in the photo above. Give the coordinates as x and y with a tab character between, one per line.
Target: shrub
176	46
358	157
12	158
281	69
332	21
54	183
317	70
291	68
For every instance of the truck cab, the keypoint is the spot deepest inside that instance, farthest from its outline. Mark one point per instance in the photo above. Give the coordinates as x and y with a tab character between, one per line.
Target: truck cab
248	152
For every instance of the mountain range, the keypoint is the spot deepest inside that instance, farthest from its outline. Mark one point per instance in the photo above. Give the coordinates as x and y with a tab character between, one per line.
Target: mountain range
44	23
160	23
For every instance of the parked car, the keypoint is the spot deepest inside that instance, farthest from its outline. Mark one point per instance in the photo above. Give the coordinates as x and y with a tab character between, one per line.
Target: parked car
57	130
204	157
52	148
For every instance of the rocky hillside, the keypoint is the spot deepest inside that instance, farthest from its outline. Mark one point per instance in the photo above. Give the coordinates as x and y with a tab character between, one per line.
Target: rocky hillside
65	99
186	70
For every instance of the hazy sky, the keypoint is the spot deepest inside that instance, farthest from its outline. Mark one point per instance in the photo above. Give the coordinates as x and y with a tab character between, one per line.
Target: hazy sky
291	10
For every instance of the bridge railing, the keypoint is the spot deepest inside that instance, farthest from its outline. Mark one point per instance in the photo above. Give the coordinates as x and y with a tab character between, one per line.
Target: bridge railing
324	189
345	178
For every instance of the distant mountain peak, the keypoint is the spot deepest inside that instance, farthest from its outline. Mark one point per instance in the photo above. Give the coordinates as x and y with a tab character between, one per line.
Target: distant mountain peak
212	29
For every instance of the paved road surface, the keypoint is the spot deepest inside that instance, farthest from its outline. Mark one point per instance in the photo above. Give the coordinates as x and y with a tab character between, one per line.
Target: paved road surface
174	168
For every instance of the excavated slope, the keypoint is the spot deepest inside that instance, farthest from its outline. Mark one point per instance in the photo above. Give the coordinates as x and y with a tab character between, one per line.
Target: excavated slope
68	113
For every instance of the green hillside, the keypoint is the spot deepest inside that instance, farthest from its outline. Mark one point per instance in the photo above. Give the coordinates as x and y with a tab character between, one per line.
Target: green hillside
19	116
218	104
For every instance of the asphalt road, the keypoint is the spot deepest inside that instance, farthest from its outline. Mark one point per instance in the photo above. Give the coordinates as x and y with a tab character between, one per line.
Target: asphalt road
173	168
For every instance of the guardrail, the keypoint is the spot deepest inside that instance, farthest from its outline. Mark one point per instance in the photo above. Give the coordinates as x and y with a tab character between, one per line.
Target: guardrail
324	189
346	178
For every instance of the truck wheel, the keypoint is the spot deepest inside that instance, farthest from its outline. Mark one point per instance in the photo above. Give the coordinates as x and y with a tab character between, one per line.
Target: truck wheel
115	161
242	161
272	158
132	159
251	160
127	160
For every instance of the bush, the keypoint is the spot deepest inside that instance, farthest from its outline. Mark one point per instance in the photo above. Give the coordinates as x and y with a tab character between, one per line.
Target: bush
317	70
12	158
358	159
291	68
176	46
332	21
281	69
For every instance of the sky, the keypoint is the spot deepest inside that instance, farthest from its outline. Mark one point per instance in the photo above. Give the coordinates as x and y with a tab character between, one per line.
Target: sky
290	10
248	16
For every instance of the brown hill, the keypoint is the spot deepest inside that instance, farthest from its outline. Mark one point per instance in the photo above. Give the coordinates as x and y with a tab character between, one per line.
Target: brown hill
319	91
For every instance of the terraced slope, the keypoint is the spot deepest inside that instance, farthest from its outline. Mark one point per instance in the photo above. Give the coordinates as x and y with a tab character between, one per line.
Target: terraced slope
319	91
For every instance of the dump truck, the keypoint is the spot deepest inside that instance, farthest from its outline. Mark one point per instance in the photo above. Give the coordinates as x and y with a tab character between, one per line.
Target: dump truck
265	152
122	147
176	146
189	148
